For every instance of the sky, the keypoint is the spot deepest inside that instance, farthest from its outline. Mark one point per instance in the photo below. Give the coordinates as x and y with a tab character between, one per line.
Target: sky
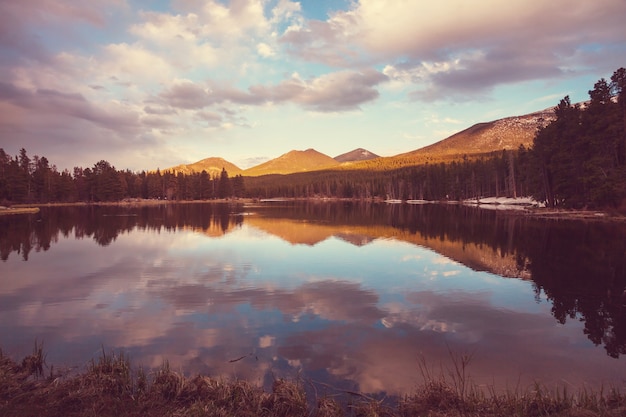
147	84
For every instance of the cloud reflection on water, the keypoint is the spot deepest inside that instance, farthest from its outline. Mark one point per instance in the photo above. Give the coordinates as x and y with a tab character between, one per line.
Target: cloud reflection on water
356	315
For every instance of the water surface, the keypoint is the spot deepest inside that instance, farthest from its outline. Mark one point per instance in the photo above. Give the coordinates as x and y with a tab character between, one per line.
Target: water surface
355	296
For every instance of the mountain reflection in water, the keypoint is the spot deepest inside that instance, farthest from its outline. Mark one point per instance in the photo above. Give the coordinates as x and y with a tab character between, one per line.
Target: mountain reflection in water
350	294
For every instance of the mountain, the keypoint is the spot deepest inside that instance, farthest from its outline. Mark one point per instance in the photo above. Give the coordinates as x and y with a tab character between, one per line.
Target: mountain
291	162
358	154
213	166
476	255
507	133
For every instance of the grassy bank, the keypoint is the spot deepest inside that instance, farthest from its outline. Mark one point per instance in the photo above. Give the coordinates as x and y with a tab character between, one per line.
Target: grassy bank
109	386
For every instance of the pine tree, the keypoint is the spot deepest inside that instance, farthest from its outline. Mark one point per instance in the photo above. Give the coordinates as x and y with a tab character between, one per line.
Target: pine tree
224	187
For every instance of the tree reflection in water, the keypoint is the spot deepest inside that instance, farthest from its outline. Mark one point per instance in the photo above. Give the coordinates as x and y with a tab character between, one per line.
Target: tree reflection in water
580	266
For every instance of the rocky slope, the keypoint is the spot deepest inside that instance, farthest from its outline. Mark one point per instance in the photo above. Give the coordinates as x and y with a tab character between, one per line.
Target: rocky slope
508	133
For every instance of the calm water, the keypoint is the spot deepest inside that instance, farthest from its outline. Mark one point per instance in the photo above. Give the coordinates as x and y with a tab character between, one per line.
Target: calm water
355	296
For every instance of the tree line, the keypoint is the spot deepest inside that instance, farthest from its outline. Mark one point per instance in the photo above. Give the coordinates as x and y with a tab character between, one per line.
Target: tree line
34	180
577	160
580	158
491	174
39	233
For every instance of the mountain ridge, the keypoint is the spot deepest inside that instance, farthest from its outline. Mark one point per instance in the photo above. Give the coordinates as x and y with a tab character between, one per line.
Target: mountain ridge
505	133
484	137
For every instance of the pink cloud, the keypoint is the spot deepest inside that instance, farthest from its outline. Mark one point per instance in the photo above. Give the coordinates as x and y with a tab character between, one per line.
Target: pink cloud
333	92
482	45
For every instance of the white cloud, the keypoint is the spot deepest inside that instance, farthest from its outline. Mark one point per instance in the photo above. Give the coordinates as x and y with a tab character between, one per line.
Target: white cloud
134	62
265	50
442	260
226	22
286	10
166	28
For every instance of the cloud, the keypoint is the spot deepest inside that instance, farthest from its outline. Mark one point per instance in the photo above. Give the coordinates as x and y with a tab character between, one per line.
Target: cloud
417	30
67	127
330	42
345	90
93	12
16	43
17	18
149	109
286	10
135	62
183	37
200	312
75	73
455	49
324	299
476	75
187	95
265	50
69	105
231	21
208	116
211	119
334	92
252	161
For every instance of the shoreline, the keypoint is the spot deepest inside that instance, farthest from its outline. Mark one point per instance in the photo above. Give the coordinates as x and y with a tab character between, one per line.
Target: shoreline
506	206
562	214
110	386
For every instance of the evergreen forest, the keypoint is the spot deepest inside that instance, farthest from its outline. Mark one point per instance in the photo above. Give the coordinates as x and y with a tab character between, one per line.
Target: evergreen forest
576	161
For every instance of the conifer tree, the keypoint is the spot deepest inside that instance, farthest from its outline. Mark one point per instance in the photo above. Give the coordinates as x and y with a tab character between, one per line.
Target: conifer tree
224	187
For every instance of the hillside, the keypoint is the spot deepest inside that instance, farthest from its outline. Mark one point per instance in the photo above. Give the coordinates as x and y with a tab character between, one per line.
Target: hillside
480	139
508	133
213	166
358	154
291	162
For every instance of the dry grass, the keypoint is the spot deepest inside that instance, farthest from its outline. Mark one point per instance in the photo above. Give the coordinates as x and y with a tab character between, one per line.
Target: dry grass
111	387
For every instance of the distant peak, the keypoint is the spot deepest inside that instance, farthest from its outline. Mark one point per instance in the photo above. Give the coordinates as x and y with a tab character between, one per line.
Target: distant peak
293	161
213	165
358	154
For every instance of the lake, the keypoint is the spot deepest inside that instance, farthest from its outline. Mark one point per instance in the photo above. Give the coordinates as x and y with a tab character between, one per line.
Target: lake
346	295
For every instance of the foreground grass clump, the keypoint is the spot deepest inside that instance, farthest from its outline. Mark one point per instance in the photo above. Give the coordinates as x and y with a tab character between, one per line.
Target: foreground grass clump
110	387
